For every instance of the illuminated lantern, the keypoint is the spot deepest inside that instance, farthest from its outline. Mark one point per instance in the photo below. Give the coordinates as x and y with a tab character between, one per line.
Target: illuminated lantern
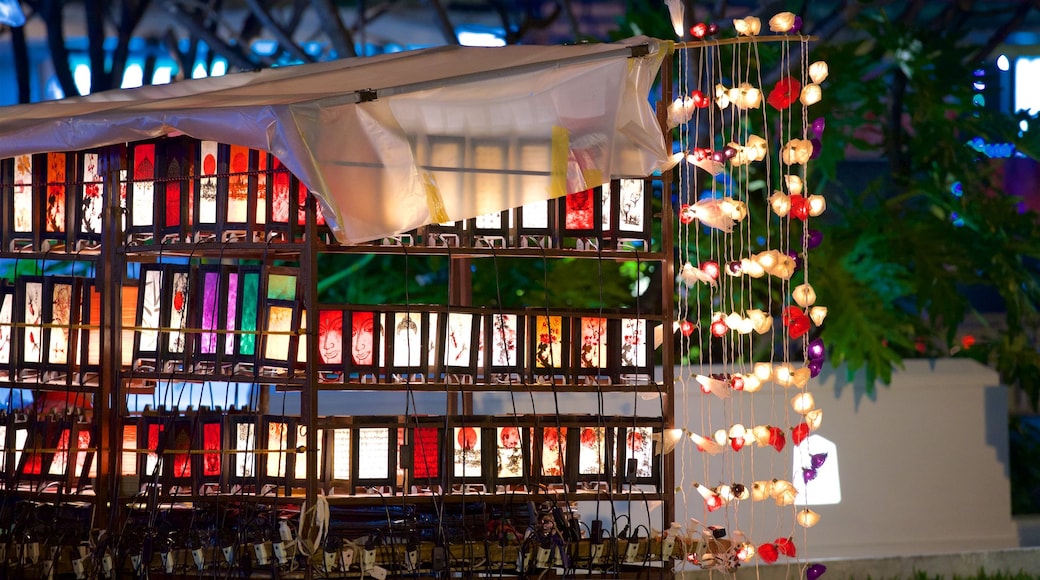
686	327
782	22
811	94
752	384
718	327
818	72
761	490
802	403
714	386
763	371
814	418
748	26
807	518
780	203
804	295
677	13
705	445
786	547
711	499
777	438
814	571
799	433
768	553
736	437
795	185
817	205
817	314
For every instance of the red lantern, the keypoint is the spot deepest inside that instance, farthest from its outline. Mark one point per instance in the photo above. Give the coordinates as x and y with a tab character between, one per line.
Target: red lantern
786	547
799	433
768	553
777	438
785	93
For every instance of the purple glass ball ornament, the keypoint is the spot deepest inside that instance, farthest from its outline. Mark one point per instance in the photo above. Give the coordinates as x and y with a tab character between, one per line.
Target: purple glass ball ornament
816	349
815	366
814	571
797	26
818	125
815	238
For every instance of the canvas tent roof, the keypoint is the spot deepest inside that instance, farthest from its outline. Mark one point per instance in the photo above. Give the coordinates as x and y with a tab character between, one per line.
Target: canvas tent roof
392	142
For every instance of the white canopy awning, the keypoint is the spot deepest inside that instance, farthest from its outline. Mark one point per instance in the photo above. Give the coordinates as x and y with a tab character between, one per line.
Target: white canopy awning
396	141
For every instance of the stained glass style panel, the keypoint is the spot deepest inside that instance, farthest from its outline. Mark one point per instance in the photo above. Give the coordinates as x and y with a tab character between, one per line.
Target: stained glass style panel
178	312
207	207
605	195
33	316
85	439
3	456
23	194
407	339
300	468
144	185
250	298
639	446
238	186
61	318
277	442
534	154
631	205
182	442
60	459
341	454
34	459
280	182
211	441
510	453
592	452
330	336
261	189
548	342
580	210
281	287
129	460
466	459
425	453
94	334
152	460
151	302
373	453
504	340
593	354
535	216
210	293
54	217
93	196
279	327
245	447
6	309
21	436
172	193
231	321
633	342
362	338
458	344
554	449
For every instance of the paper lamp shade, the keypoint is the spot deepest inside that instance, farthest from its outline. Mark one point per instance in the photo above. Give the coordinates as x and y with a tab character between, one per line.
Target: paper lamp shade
782	22
802	403
818	71
818	314
814	418
807	518
795	185
706	445
749	26
811	94
817	205
804	295
677	13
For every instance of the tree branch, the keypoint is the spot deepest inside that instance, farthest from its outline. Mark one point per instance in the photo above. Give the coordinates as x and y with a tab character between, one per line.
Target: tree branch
283	36
1000	34
332	24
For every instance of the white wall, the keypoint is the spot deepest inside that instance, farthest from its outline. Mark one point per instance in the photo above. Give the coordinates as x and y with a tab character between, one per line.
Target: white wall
923	463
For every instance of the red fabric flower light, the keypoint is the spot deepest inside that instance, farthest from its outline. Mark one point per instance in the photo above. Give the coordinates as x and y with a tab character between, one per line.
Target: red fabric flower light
768	553
786	92
786	547
799	207
777	438
799	433
700	100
